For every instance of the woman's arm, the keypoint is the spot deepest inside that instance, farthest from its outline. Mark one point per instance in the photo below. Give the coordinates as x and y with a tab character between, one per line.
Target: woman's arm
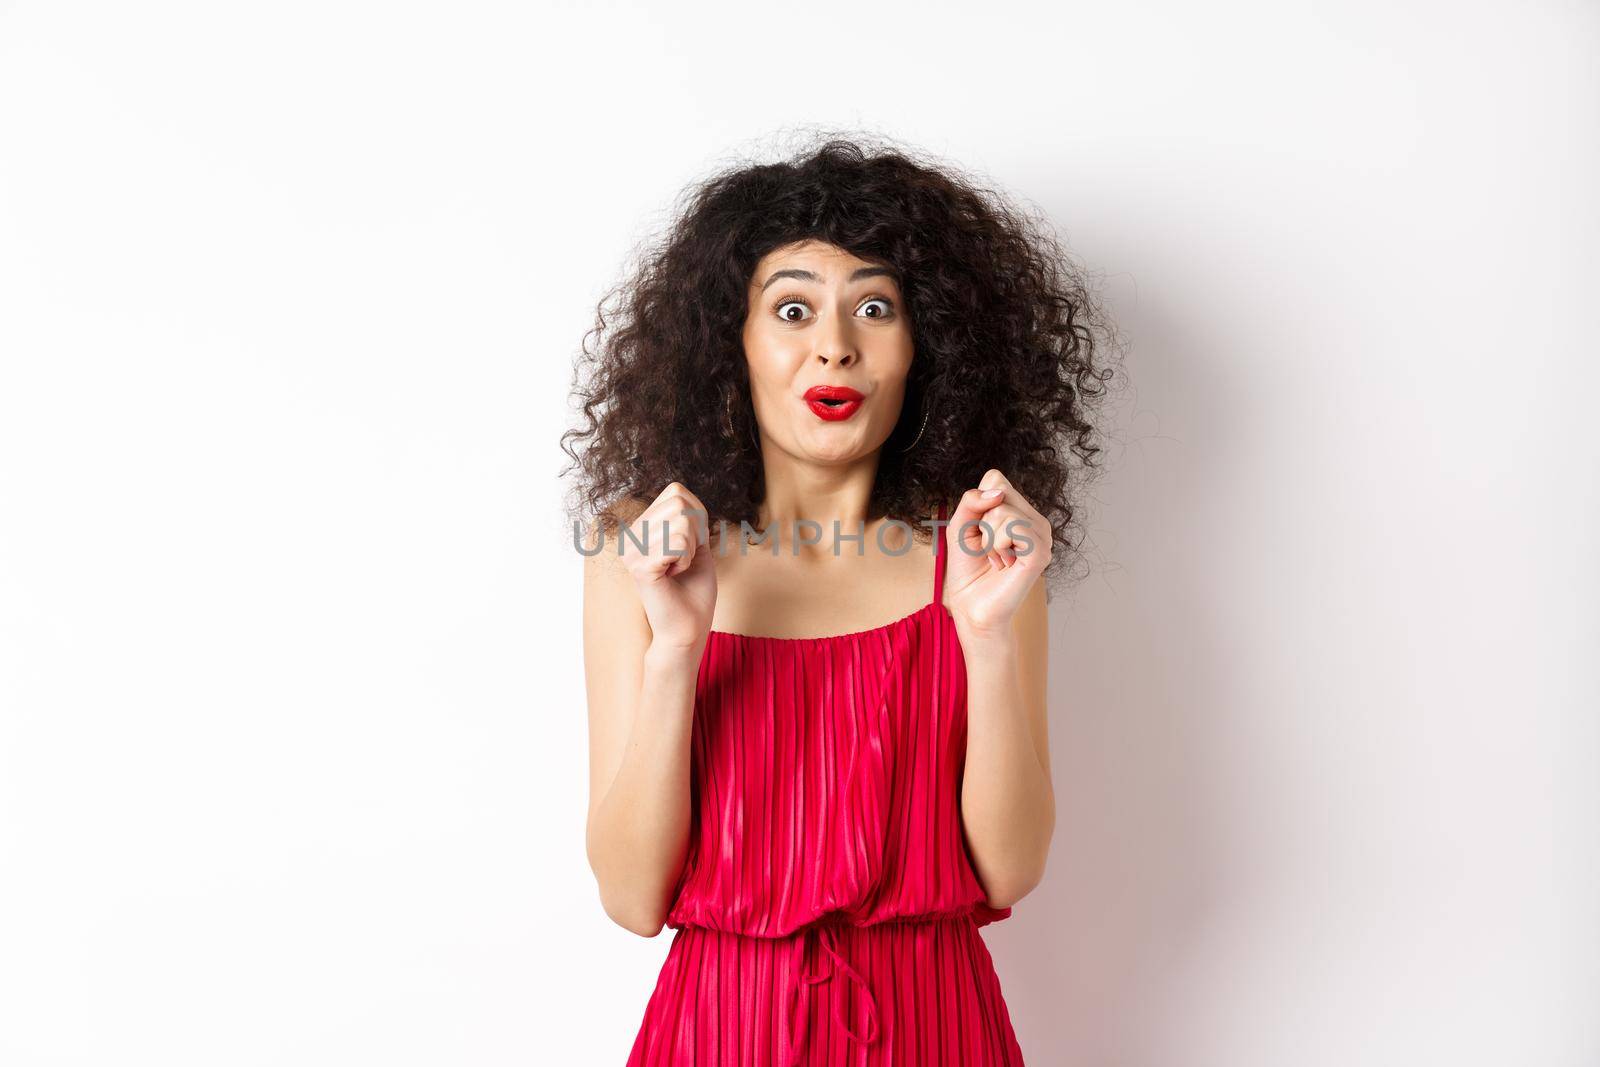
641	708
1007	800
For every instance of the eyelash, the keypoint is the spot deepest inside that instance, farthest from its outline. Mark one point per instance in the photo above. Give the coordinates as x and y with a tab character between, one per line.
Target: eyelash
801	300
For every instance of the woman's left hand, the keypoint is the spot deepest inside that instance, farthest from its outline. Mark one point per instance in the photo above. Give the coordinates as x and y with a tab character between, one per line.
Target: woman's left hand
996	546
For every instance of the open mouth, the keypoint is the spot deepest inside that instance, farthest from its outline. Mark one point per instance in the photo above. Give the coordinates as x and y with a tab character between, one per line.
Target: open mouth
835	411
833	403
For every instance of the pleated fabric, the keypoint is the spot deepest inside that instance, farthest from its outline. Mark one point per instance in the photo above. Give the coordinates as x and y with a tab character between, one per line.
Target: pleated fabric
828	911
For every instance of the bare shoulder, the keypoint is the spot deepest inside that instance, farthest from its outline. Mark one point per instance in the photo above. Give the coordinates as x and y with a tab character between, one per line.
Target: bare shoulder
611	518
609	596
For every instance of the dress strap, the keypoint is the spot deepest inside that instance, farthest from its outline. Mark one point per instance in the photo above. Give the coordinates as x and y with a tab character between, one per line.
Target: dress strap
938	558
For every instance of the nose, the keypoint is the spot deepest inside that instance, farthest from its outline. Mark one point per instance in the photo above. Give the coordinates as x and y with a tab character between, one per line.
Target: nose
837	351
835	344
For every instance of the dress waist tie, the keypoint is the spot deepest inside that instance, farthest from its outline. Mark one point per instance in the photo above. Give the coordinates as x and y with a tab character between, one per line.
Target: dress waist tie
827	937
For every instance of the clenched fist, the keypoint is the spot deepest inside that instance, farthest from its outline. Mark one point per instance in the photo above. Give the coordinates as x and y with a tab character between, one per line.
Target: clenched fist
997	546
667	550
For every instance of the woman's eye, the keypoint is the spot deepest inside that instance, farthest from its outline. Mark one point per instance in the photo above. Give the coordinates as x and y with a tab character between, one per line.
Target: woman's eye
798	311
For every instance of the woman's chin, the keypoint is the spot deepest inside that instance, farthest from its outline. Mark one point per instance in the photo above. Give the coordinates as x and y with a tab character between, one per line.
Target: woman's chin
836	450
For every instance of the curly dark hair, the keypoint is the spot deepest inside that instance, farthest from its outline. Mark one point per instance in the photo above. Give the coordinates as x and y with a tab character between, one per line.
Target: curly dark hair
1010	348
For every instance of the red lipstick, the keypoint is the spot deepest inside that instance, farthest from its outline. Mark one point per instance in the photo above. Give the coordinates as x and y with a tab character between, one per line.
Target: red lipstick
833	402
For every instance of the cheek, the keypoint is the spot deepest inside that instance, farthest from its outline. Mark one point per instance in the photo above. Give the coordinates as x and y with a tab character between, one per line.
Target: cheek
763	368
902	368
768	387
755	352
769	360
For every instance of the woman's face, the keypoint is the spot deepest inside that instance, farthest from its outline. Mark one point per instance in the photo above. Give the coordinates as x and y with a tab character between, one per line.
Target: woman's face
818	316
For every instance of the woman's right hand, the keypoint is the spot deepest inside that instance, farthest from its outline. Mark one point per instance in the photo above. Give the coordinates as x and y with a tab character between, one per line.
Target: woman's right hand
675	573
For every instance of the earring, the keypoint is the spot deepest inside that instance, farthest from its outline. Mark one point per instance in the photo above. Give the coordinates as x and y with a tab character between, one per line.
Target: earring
924	426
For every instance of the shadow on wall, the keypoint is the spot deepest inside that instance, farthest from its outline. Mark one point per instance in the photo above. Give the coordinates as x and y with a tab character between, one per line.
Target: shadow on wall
1139	687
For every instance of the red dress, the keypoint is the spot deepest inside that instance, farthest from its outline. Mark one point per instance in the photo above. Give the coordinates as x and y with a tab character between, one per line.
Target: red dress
828	911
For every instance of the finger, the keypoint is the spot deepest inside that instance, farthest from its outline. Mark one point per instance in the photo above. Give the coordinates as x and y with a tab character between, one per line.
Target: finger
1020	533
695	510
675	498
704	559
689	535
1015	518
680	546
1003	547
1031	535
993	478
973	530
680	522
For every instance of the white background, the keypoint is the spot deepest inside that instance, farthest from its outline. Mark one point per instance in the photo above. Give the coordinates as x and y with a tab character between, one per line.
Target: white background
292	725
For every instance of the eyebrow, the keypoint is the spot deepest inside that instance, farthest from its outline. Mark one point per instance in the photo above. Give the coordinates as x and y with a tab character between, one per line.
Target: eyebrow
810	276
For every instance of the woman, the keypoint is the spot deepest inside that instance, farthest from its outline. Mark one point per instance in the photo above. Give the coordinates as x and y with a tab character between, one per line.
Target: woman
885	376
